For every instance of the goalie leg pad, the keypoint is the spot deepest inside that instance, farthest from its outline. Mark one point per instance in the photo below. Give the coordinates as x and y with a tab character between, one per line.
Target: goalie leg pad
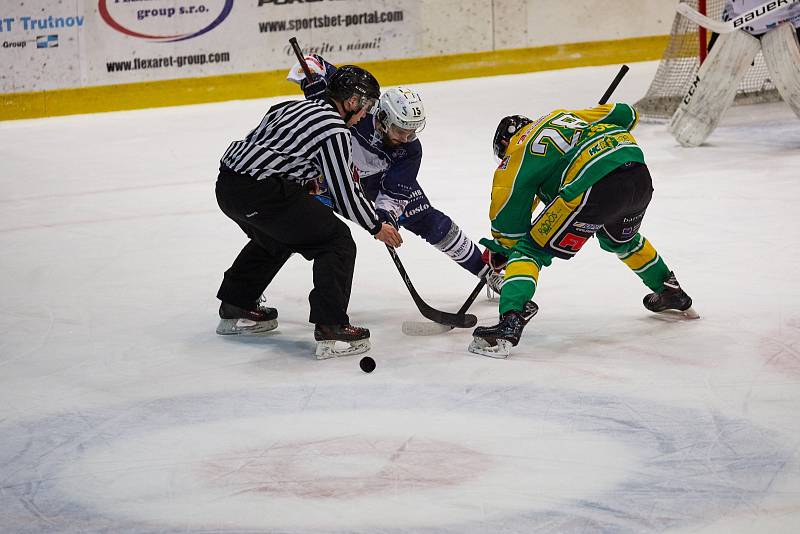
714	88
781	51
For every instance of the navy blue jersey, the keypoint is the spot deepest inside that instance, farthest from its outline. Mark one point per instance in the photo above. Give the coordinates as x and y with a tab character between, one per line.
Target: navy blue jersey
388	174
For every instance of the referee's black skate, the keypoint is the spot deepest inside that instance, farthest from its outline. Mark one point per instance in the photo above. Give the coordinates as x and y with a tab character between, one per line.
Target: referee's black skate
356	337
246	322
496	341
671	300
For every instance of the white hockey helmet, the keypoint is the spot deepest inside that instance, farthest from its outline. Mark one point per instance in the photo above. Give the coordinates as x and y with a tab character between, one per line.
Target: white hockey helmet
401	109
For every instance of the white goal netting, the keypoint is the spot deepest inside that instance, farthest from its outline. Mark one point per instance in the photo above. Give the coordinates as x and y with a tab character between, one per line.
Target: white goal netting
681	61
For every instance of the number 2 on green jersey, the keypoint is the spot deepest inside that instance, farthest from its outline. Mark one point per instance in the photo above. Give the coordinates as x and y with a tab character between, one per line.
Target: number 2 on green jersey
556	137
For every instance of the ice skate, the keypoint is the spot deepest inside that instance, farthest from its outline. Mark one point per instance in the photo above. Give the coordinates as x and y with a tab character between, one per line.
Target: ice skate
352	340
671	300
246	322
494	282
496	341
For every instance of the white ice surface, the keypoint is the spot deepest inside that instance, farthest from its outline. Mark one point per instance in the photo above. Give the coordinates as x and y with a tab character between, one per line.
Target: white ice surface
122	412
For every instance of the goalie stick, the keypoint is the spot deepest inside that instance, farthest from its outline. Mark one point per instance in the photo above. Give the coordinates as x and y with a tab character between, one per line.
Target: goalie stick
418	328
736	23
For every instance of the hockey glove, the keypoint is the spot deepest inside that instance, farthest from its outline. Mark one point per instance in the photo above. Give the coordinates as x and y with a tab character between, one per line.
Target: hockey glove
315	89
387	217
320	69
495	260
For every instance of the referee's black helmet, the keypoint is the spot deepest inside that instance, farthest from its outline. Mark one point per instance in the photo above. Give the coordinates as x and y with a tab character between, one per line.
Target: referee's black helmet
349	80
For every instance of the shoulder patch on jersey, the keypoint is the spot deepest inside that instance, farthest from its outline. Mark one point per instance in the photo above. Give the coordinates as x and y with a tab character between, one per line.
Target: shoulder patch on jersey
520	138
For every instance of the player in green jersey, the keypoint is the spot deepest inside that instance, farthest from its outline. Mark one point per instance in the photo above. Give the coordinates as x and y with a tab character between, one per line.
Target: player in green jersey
587	169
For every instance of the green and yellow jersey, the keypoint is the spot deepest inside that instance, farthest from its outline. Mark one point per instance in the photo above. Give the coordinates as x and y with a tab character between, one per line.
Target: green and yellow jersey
561	154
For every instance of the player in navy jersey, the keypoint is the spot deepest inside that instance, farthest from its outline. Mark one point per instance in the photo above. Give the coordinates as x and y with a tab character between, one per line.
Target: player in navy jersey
387	155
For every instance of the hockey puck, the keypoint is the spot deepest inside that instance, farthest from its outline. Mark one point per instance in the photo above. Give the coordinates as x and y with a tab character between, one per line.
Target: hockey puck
367	364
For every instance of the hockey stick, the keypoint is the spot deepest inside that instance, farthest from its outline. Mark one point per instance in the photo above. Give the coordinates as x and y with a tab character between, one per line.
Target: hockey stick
718	26
299	53
623	70
454	320
418	328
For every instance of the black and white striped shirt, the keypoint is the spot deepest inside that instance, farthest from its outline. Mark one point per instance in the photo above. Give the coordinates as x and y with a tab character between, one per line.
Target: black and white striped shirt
300	140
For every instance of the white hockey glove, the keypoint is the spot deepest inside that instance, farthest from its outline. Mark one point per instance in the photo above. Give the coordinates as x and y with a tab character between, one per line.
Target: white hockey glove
314	89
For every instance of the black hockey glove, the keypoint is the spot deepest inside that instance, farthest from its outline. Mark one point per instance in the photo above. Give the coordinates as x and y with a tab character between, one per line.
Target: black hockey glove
315	89
387	217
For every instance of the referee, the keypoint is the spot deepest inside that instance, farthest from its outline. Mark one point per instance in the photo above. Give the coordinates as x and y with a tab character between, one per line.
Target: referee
265	185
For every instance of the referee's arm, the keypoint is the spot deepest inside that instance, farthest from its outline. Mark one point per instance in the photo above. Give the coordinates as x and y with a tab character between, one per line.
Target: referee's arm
334	158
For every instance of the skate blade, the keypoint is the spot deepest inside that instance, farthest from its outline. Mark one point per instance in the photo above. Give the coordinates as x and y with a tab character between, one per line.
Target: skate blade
327	349
482	347
245	327
678	315
491	296
424	328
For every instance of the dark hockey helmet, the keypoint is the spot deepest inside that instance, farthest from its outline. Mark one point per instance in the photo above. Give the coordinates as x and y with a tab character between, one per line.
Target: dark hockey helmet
505	131
349	80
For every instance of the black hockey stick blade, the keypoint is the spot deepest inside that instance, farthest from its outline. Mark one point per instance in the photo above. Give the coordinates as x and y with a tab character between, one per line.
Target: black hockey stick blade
614	83
464	320
420	328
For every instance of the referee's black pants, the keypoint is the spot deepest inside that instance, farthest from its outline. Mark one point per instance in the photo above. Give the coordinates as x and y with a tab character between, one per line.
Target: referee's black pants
280	218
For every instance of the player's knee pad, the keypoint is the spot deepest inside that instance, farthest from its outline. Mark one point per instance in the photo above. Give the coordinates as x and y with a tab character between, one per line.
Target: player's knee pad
781	51
458	246
521	268
446	233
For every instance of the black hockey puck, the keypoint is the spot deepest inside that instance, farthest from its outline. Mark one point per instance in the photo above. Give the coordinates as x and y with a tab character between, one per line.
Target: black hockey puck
367	364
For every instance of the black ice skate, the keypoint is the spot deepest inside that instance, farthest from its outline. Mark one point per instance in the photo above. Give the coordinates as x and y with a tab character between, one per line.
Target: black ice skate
496	341
355	337
671	300
246	322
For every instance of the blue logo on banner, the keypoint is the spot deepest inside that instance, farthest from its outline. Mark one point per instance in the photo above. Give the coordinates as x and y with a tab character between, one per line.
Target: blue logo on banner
47	41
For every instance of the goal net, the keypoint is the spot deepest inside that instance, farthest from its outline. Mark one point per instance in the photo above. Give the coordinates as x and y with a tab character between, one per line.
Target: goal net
686	49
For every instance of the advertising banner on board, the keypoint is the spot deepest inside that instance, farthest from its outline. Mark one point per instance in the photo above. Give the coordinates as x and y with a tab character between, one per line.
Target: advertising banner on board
75	43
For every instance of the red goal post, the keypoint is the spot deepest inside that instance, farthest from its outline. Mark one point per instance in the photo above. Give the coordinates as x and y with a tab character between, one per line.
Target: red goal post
686	49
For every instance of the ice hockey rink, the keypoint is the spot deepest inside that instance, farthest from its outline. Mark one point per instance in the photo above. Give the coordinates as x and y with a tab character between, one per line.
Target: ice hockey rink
121	411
